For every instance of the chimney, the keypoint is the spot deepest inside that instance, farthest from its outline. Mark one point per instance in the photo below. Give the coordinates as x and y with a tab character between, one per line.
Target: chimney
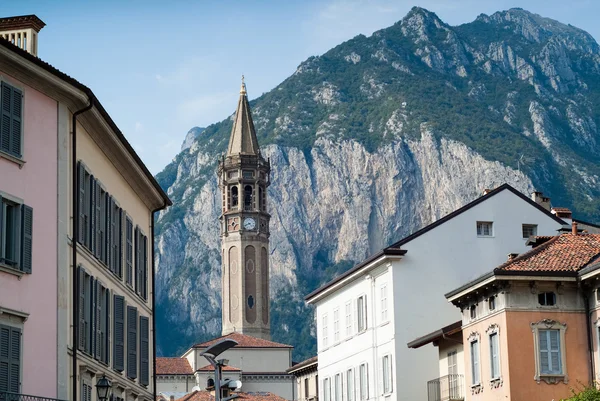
172	398
540	199
574	228
562	212
22	31
511	256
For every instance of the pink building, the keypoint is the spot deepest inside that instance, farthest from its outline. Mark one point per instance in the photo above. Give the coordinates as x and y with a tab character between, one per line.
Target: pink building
76	236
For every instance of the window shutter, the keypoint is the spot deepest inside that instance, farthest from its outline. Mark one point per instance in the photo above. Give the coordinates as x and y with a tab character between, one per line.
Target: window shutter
98	220
144	351
26	238
109	230
17	106
137	269
92	315
129	250
119	333
4	358
107	326
82	326
98	320
120	243
131	342
81	202
5	128
555	351
92	216
544	352
145	267
14	359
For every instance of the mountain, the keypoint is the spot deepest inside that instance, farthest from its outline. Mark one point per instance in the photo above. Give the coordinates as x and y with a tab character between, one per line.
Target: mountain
190	137
376	138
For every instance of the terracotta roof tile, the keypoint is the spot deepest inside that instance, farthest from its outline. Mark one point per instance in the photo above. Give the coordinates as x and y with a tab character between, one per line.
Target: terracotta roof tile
210	368
561	209
173	366
244	341
563	253
252	396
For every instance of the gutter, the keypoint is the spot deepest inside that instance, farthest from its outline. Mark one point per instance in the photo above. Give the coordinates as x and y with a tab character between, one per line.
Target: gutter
74	239
588	318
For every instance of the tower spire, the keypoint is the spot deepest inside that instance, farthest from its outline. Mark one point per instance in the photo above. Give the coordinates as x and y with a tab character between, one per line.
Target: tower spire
243	135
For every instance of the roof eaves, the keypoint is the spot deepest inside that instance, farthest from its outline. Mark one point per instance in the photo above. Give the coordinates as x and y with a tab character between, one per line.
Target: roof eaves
435	335
72	81
469	284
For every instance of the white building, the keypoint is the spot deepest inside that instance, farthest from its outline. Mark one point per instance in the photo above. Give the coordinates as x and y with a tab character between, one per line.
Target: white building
366	316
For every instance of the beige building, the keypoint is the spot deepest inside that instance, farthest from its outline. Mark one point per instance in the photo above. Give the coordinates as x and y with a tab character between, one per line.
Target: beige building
307	379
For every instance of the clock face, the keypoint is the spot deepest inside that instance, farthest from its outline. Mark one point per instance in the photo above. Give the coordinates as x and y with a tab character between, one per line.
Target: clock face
249	223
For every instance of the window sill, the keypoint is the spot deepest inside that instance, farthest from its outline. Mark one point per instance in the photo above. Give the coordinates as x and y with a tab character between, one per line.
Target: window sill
485	236
11	158
553	379
11	270
476	388
496	382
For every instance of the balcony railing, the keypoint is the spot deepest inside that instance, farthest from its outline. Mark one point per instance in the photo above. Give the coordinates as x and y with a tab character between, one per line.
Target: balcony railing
446	388
4	396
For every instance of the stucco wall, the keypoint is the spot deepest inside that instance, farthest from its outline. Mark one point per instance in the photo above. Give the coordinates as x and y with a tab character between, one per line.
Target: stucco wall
36	294
254	360
521	354
301	391
176	383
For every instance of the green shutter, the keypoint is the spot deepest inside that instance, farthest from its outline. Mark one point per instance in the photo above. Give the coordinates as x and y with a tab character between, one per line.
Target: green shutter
17	108
119	333
4	358
10	359
145	267
119	250
26	238
92	317
98	219
107	326
132	342
81	202
5	124
129	250
82	323
144	351
109	232
98	320
91	243
137	268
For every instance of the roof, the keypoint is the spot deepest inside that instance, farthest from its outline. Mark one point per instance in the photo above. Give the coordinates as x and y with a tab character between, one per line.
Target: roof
243	135
561	210
173	366
244	341
21	22
250	396
94	101
396	246
307	363
564	255
437	335
210	368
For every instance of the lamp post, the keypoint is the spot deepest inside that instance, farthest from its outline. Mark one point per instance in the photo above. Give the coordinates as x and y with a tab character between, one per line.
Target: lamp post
103	387
211	354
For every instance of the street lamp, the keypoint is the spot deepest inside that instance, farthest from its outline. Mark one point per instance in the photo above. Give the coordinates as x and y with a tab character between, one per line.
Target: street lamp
211	354
103	387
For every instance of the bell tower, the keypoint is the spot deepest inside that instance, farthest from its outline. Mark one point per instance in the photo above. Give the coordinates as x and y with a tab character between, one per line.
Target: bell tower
243	179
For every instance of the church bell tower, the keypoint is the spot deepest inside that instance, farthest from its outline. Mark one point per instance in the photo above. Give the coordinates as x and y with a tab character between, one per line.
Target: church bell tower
243	180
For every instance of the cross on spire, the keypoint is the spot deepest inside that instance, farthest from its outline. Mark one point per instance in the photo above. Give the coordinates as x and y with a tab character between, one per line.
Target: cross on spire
243	135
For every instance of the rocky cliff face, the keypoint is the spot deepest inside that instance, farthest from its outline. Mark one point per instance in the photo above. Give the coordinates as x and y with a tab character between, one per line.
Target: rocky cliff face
190	137
377	138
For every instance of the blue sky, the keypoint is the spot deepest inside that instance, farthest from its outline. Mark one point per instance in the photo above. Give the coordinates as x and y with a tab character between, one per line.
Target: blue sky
162	67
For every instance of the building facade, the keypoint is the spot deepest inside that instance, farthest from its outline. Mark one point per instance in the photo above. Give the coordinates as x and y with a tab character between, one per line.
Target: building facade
78	207
307	379
366	316
529	327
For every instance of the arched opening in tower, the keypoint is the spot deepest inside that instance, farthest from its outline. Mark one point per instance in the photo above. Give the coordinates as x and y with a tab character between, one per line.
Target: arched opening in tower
248	197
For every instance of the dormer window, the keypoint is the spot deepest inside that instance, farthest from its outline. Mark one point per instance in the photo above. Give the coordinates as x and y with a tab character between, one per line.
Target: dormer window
473	312
485	229
547	298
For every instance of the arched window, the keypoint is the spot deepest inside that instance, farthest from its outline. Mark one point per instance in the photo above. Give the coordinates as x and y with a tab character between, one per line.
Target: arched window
248	197
234	197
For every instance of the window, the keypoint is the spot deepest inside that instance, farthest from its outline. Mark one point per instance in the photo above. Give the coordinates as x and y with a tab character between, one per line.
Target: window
348	319
361	315
492	303
325	331
473	311
141	263
349	385
129	251
475	363
529	230
132	328
454	383
494	356
144	351
384	308
10	359
326	390
94	316
386	363
336	325
306	388
234	197
11	126
550	357
363	382
119	333
597	295
86	391
338	387
484	229
547	298
16	235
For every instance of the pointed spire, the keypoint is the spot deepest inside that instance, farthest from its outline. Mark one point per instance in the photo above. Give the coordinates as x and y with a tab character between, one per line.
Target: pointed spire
243	136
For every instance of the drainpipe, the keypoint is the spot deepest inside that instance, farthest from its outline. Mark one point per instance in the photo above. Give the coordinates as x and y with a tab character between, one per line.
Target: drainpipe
164	206
588	323
75	231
